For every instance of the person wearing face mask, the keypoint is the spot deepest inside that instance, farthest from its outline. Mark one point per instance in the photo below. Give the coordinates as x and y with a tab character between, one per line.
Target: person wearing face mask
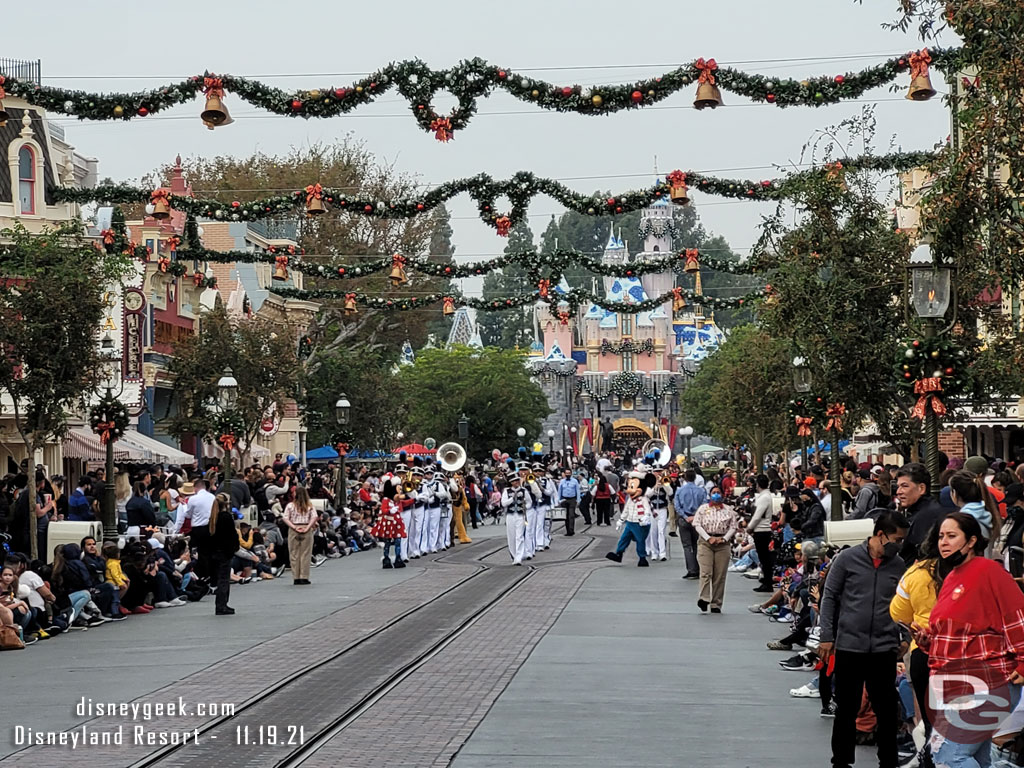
716	525
856	626
975	633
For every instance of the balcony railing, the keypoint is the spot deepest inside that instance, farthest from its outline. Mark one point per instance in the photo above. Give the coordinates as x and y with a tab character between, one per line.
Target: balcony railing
21	69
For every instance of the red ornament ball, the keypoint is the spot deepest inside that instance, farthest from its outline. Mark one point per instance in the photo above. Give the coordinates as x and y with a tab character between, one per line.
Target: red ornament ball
949	371
906	375
235	203
840	79
367	208
340	93
567	91
618	209
296	105
637	97
770	98
420	206
341	270
610	201
501	74
447	270
143	111
916	343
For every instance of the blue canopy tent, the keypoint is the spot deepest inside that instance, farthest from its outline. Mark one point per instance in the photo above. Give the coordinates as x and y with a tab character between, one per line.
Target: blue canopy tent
328	453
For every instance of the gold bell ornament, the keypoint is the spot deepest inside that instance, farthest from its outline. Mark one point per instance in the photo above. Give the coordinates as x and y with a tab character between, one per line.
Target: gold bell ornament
708	94
920	82
448	307
315	200
397	276
281	268
692	265
677	188
160	199
350	303
678	301
215	113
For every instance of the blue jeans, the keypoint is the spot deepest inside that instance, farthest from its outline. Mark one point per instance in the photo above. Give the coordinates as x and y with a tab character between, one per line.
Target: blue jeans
954	755
749	560
78	600
634	532
387	548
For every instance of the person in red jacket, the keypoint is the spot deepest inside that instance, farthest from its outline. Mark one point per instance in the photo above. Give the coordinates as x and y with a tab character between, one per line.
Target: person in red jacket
390	528
975	646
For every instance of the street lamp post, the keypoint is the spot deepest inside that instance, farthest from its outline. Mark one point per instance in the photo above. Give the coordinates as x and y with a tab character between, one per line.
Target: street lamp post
341	414
551	441
802	385
521	434
227	389
930	295
109	498
464	432
687	433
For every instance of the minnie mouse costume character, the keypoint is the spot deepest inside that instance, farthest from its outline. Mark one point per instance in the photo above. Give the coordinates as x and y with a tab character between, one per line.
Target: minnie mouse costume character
636	516
390	528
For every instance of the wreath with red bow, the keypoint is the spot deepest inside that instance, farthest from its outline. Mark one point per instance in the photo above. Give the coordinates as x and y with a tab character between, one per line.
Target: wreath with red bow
109	418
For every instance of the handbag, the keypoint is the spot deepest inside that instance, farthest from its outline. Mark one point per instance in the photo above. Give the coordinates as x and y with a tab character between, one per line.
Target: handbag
9	639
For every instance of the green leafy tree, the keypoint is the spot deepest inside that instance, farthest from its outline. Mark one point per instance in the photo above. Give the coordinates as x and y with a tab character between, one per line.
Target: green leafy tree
441	251
741	392
490	386
52	301
262	357
509	328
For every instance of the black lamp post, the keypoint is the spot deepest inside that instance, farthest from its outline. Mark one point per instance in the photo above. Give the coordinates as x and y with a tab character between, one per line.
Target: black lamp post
930	294
551	442
109	497
802	385
227	392
342	409
464	432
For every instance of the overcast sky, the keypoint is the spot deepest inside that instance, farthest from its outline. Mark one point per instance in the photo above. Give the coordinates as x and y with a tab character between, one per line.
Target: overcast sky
132	46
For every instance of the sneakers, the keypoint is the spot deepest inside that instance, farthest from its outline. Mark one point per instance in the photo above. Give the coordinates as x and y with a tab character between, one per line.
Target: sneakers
79	624
778	645
319	560
771	610
118	617
829	711
806	691
797	664
755	608
163	604
42	634
753	573
30	639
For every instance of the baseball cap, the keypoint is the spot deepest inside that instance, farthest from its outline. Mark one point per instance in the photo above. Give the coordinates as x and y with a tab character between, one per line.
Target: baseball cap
977	465
877	470
864	474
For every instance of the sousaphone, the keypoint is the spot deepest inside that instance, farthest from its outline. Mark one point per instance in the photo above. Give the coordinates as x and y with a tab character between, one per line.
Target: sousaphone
452	457
659	452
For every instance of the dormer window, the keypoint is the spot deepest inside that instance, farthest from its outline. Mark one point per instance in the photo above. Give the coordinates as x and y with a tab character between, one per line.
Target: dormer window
27	180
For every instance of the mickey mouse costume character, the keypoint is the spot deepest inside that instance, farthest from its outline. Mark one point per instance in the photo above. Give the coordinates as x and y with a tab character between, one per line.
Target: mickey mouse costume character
390	527
636	516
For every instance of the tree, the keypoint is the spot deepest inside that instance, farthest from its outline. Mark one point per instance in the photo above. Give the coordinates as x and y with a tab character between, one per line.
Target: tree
740	393
509	328
52	301
441	251
262	358
368	378
491	386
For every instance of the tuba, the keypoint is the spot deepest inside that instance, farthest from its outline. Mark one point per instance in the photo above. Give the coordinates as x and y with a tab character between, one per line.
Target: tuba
452	457
660	451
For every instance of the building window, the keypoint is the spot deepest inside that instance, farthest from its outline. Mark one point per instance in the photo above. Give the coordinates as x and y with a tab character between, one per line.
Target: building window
27	179
627	325
627	361
627	404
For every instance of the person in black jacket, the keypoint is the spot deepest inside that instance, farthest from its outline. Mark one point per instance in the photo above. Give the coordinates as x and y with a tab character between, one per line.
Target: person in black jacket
1014	546
921	510
104	594
140	509
72	587
813	514
224	541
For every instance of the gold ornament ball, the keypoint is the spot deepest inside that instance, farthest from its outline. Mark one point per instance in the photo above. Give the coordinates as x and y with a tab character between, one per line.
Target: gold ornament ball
650	94
805	83
935	353
535	94
597	101
118	111
359	89
314	94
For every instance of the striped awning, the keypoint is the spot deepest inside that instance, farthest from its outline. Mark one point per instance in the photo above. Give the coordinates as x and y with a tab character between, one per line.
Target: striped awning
82	443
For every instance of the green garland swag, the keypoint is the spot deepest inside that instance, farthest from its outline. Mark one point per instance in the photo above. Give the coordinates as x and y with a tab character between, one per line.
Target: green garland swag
109	418
628	345
470	81
932	369
520	189
807	412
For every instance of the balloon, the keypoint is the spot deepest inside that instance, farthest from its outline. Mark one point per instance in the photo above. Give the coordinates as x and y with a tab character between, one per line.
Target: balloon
496	454
504	457
538	447
429	443
680	459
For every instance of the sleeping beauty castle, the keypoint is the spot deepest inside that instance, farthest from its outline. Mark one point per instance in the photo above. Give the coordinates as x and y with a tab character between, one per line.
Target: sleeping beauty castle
613	379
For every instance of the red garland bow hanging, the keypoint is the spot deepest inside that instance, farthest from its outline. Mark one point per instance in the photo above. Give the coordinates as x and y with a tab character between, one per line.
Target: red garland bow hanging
160	195
314	192
163	263
342	449
442	128
503	224
281	262
543	286
198	279
803	425
105	430
350	303
928	389
919	63
707	70
835	413
834	169
213	86
108	236
173	242
563	317
692	260
228	441
3	93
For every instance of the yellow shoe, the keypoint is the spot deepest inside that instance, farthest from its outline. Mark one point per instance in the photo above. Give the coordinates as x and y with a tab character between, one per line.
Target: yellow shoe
43	634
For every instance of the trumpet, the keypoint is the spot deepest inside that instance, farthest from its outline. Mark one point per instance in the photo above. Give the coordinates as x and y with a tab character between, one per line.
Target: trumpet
531	478
408	486
666	480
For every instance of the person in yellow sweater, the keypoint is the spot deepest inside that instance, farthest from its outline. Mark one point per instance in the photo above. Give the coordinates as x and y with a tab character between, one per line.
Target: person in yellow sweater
114	574
912	605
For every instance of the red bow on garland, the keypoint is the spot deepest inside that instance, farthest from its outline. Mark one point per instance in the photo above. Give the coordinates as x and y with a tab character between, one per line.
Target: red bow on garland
281	261
160	194
543	286
163	263
563	317
442	128
803	425
707	70
314	192
213	86
834	169
835	413
108	236
173	242
676	179
105	430
692	259
198	278
919	63
342	449
503	224
927	389
228	442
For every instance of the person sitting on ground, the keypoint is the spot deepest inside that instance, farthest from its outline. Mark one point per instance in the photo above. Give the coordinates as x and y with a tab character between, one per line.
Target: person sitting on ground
245	559
72	584
37	593
24	617
114	574
103	593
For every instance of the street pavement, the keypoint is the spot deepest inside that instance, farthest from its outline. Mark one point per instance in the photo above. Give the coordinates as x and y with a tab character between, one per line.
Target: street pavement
587	664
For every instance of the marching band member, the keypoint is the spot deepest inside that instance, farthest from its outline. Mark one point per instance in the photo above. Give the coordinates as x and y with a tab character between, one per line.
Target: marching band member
533	491
518	505
418	522
660	496
547	500
444	531
437	494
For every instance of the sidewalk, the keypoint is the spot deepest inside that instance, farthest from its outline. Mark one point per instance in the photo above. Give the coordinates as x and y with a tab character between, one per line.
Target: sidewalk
632	674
